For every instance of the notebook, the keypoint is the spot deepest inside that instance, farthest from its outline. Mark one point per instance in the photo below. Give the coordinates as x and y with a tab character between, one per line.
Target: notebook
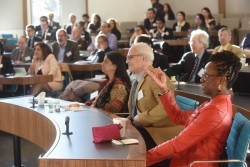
20	71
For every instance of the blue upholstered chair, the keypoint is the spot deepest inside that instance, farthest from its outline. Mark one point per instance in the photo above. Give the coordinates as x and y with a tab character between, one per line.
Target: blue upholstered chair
186	103
237	143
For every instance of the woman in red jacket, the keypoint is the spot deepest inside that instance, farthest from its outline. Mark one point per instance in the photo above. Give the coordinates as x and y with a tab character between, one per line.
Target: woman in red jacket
206	128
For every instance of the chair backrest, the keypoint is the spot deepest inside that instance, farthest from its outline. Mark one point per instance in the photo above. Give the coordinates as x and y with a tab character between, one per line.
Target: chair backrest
66	74
238	139
245	22
124	26
186	103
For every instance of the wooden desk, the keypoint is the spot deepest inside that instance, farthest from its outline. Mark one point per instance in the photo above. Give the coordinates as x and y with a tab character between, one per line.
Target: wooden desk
72	66
45	130
181	34
26	80
173	42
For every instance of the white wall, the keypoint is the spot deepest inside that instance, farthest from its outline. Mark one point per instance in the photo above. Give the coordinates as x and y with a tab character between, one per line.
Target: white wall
129	10
76	6
193	7
11	18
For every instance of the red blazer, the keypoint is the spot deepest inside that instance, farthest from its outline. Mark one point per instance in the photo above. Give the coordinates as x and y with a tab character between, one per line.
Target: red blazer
204	136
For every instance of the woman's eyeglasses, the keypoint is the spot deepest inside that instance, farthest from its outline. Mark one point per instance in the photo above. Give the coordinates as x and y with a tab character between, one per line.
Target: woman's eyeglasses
205	76
130	57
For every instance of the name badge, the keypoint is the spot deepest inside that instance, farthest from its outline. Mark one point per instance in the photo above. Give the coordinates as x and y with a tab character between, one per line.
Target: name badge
201	72
48	34
140	95
27	58
69	53
54	27
93	95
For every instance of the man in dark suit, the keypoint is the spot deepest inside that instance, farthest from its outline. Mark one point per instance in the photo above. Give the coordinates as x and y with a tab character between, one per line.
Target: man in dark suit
32	39
55	25
46	33
65	50
101	42
150	21
161	32
76	36
22	54
193	63
157	7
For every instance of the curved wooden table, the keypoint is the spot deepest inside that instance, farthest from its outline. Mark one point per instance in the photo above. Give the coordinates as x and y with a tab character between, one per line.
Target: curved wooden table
45	130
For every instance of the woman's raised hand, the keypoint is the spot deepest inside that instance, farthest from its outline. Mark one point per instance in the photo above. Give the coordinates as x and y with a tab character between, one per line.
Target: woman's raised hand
159	77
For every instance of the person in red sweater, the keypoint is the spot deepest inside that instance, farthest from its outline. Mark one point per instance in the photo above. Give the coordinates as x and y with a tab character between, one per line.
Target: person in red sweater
207	127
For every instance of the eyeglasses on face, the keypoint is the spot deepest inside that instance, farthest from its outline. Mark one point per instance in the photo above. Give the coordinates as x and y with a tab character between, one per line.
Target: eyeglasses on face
205	76
130	57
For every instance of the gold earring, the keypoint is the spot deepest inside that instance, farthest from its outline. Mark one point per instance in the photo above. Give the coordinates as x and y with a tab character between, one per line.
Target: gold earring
219	87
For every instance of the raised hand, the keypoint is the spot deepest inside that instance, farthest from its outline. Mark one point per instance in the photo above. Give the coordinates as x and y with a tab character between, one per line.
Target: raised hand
159	77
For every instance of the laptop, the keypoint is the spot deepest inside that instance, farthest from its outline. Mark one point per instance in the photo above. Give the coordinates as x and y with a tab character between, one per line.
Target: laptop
20	71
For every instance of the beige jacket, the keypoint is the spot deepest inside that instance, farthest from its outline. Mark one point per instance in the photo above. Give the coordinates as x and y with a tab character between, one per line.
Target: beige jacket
233	48
151	112
50	67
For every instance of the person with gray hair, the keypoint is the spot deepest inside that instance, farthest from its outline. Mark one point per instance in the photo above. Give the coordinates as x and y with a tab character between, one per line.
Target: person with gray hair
146	112
192	63
65	50
225	37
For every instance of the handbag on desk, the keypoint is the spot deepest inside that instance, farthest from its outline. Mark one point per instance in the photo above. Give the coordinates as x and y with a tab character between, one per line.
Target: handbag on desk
106	133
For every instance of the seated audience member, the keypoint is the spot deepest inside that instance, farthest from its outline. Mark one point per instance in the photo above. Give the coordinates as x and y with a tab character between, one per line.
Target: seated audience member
95	24
73	23
167	13
158	7
225	37
113	94
65	50
85	35
181	22
207	127
245	45
6	66
209	19
112	40
46	33
113	28
160	60
161	32
150	21
22	54
139	29
101	45
146	112
55	25
31	37
44	63
192	63
76	36
200	23
85	18
38	27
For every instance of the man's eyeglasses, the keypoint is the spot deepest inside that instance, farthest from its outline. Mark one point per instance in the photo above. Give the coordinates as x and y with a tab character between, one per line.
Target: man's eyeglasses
205	76
130	57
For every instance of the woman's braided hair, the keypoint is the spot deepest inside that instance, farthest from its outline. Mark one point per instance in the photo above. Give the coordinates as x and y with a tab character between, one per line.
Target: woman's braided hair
228	65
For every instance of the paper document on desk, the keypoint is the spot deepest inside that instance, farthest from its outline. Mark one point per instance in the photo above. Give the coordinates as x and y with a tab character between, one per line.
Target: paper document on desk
125	141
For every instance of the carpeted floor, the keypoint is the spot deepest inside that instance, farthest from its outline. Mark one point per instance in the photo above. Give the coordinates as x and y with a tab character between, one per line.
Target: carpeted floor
29	151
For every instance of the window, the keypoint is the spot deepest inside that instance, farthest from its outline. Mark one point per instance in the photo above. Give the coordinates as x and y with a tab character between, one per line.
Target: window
43	8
